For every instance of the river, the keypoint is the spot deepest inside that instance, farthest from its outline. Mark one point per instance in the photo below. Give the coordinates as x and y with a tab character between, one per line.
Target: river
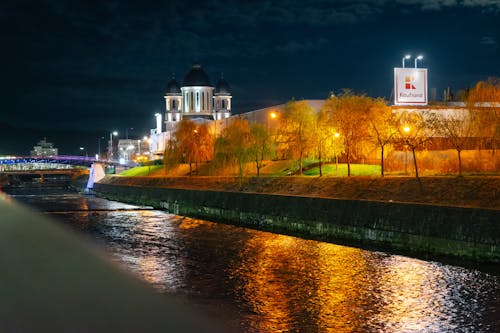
263	282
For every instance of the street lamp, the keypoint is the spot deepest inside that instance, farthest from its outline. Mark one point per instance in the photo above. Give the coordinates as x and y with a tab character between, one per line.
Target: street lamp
110	150
406	130
420	57
336	135
405	57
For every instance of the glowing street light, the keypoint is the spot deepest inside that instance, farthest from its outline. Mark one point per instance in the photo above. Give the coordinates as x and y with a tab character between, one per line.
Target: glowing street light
420	57
115	133
405	57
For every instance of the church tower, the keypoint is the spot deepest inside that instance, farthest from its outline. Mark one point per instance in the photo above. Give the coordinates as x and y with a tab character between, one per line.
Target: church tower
222	100
173	99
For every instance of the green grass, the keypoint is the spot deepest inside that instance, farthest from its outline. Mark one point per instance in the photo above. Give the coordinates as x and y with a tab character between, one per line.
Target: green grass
141	171
356	170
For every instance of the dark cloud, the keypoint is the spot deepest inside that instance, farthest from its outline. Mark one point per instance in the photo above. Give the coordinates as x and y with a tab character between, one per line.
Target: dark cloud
102	64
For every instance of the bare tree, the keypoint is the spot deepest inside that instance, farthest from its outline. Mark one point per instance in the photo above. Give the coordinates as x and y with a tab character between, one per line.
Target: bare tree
458	127
261	146
413	132
383	127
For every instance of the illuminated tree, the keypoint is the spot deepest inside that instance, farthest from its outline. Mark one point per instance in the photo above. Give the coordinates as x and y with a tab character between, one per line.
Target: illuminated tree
170	155
326	139
193	143
296	131
233	145
413	132
383	127
459	128
349	113
483	101
261	145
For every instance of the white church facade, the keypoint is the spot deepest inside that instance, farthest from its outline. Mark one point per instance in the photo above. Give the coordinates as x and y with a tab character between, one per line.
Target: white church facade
196	99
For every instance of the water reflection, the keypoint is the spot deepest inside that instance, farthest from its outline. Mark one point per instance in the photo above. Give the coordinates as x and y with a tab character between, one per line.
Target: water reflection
263	282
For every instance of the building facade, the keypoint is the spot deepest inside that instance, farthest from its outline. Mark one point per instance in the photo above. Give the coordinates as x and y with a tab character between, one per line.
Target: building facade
44	149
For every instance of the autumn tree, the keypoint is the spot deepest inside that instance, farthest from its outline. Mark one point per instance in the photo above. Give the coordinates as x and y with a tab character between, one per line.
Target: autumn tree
296	131
349	113
413	132
233	145
383	128
193	143
483	101
325	139
261	146
458	127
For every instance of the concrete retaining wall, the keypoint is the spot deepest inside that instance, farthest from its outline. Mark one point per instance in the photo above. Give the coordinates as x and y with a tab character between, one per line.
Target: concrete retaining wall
451	231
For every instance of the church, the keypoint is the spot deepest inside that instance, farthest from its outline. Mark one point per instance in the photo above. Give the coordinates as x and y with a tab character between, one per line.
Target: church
196	99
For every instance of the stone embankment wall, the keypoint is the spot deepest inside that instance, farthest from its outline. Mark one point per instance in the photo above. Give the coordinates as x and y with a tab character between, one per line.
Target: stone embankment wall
471	233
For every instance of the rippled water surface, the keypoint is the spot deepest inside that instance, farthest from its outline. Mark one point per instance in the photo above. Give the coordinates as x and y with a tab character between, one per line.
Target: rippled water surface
263	282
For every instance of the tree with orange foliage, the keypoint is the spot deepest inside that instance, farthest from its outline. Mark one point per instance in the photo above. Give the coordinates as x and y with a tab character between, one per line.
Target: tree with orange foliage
350	114
383	128
193	143
261	145
296	131
233	145
483	102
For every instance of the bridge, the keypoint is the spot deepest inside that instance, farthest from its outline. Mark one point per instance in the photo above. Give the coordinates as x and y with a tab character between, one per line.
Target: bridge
26	163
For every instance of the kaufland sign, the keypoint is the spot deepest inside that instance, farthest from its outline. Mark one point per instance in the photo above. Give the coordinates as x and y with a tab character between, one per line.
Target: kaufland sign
410	86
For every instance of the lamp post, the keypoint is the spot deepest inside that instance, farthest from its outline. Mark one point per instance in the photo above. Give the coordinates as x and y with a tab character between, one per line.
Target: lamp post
420	57
406	130
99	147
336	135
110	148
407	56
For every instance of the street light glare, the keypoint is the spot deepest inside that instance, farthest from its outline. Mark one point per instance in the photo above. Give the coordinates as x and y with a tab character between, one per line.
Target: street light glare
407	56
406	129
115	133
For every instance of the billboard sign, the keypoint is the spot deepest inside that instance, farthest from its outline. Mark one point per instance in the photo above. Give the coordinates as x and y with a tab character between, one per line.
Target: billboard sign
410	86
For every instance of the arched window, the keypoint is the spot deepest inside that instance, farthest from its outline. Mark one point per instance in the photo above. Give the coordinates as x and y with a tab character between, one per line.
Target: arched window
191	104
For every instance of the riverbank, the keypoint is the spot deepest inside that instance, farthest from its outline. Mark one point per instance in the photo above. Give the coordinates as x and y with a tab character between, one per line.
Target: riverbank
477	192
468	228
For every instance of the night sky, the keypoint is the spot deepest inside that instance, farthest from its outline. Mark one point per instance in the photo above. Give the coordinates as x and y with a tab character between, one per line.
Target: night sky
104	65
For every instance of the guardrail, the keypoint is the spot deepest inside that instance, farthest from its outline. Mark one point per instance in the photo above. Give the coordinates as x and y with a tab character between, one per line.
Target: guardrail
52	281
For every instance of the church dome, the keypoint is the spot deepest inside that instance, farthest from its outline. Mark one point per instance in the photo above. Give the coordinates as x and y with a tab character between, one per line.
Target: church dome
222	87
173	87
196	77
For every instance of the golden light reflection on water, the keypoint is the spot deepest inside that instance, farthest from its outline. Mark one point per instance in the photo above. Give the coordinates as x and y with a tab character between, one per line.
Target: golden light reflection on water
288	276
